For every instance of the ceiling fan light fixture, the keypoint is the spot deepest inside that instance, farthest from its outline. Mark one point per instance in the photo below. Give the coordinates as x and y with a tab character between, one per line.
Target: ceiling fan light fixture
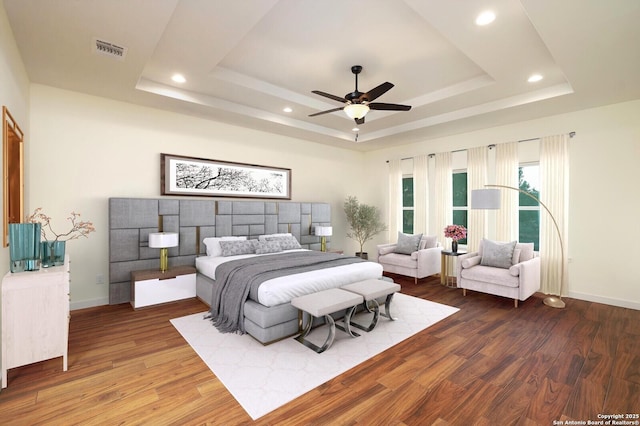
356	111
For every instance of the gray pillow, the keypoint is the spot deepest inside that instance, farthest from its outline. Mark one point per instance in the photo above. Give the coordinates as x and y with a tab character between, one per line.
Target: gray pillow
234	248
498	255
407	244
263	247
286	242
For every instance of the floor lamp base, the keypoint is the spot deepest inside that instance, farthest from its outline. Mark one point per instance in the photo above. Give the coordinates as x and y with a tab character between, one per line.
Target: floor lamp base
554	302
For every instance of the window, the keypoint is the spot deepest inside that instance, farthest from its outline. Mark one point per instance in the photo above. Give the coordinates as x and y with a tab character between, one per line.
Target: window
529	214
407	205
460	208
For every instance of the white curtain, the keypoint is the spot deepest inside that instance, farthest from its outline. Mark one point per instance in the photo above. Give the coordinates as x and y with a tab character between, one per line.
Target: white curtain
395	199
420	194
507	223
476	179
554	193
444	195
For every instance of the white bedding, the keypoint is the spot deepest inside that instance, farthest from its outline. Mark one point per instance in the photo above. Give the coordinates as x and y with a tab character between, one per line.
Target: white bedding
281	290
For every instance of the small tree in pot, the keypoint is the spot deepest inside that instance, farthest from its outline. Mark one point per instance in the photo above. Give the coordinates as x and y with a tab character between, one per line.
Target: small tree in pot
364	221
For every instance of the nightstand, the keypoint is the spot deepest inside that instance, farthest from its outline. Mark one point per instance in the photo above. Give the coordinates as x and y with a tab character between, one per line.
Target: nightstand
153	286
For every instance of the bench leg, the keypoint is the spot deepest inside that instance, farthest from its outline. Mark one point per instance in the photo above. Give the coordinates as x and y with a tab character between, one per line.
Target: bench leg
332	331
376	312
387	307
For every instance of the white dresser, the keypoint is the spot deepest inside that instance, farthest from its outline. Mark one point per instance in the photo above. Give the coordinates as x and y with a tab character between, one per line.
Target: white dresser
35	317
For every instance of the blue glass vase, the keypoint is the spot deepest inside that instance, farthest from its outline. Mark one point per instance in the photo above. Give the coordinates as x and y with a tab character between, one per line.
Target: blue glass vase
24	246
52	253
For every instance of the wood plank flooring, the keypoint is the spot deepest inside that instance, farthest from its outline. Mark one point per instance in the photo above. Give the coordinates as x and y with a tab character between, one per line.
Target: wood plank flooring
488	364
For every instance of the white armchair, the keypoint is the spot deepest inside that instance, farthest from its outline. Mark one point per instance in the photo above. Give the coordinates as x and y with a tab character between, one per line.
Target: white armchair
495	270
422	262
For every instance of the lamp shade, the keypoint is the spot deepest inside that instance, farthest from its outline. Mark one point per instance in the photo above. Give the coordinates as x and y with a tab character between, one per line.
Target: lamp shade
485	199
324	231
356	110
163	239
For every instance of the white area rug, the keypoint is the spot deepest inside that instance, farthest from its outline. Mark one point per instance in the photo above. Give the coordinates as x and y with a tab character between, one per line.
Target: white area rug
263	378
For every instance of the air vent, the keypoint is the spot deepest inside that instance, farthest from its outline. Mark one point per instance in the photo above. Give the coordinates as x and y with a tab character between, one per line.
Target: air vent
109	49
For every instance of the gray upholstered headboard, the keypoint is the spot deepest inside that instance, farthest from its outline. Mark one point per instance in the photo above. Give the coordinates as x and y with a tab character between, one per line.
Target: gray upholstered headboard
132	219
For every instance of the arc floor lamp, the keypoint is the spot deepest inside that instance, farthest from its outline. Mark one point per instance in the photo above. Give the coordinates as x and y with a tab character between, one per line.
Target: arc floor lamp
490	199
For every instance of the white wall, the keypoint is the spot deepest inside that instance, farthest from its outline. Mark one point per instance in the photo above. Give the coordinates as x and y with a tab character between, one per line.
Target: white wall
604	237
85	149
14	94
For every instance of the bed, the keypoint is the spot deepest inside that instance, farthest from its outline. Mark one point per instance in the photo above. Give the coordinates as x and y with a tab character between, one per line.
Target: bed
266	313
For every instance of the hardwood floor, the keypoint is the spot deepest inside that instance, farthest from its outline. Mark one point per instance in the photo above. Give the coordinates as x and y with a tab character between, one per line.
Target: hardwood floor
487	364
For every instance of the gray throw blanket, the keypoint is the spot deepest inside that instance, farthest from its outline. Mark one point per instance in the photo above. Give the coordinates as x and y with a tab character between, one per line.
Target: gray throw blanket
237	278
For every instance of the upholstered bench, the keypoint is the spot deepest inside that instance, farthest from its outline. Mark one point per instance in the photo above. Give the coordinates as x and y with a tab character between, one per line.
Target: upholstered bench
370	290
324	303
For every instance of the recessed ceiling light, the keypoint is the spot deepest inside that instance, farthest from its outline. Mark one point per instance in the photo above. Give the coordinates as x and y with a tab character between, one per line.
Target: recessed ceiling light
485	18
287	109
178	78
534	78
355	129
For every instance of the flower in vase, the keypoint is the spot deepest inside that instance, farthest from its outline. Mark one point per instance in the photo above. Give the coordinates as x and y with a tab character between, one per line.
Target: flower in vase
455	232
78	229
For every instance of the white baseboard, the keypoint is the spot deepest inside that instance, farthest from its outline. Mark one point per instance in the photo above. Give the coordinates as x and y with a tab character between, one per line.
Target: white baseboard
81	304
605	300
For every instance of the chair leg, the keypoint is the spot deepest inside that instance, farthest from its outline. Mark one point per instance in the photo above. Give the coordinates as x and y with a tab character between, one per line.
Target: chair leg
464	291
415	280
515	303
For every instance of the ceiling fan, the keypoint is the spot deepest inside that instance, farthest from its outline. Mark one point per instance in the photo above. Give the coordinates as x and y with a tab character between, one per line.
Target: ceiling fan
358	104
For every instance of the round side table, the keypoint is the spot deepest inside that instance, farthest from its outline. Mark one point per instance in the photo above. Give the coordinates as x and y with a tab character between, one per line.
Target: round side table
447	257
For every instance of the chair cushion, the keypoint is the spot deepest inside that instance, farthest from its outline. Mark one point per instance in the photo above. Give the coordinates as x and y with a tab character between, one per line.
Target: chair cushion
496	254
398	259
489	274
407	244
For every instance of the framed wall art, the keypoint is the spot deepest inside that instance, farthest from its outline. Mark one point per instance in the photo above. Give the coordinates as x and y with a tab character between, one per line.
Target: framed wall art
180	175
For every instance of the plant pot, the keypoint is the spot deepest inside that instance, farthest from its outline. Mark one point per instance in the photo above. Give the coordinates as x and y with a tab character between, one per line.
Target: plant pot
362	255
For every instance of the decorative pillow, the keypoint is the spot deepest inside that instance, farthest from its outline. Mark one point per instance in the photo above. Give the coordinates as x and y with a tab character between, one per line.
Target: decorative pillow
470	262
386	250
213	244
234	248
526	251
407	244
267	236
516	255
428	241
288	242
264	247
498	255
514	270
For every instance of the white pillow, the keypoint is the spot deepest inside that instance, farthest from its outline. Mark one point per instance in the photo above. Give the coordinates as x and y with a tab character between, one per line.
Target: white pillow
264	237
213	244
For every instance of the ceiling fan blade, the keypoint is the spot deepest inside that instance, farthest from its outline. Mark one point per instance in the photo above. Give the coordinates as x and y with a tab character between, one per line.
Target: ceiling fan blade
329	95
359	121
325	112
389	107
376	92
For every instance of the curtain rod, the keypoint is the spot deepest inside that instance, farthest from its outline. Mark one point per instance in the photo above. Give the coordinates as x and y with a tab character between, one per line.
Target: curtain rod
571	134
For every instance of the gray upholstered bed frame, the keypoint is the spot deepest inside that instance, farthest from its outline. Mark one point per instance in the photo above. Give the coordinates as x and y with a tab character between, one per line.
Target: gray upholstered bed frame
132	219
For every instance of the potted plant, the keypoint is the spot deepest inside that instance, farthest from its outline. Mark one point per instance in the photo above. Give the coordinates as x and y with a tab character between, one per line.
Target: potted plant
364	222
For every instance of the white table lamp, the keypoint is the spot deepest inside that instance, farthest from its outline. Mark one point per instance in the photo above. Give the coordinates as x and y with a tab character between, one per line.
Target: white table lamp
323	232
163	240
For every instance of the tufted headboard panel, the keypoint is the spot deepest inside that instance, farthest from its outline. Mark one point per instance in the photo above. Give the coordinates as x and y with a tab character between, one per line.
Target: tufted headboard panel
132	219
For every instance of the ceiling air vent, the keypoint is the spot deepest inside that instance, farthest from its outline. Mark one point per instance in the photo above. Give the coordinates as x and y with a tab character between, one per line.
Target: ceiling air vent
109	49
